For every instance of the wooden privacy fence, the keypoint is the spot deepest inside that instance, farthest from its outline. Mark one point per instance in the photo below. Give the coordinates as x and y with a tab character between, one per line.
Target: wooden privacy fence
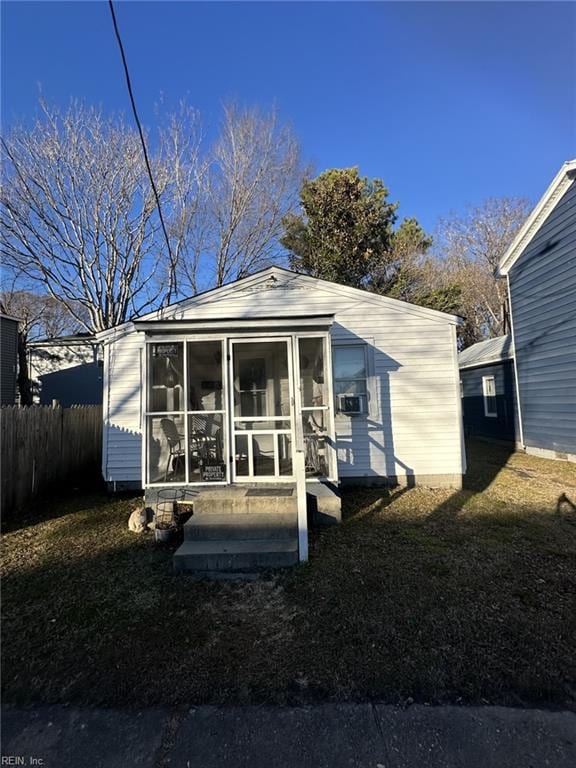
40	445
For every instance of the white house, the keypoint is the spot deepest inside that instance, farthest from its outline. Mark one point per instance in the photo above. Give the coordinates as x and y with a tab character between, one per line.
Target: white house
540	266
67	369
213	389
262	395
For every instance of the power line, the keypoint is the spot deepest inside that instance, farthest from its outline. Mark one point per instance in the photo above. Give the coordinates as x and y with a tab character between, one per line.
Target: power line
142	140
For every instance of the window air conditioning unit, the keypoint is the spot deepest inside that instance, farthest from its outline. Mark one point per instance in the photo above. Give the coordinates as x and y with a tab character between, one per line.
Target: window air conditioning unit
351	404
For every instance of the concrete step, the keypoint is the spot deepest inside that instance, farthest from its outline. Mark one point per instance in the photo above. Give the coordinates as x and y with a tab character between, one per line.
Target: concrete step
232	555
324	503
241	526
234	500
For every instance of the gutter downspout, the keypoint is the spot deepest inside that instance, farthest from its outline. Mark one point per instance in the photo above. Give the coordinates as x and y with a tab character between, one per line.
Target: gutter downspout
460	416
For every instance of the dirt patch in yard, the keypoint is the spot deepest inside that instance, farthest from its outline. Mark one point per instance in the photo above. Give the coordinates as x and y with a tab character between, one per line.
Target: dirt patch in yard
430	595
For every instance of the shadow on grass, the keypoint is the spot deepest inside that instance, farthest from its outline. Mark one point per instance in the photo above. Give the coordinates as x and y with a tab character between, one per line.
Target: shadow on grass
485	461
397	602
388	609
85	491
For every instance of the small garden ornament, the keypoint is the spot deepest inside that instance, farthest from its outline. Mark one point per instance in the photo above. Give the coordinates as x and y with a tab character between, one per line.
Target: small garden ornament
138	520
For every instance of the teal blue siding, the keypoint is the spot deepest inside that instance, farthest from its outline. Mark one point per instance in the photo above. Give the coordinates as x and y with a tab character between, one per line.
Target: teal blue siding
8	360
503	426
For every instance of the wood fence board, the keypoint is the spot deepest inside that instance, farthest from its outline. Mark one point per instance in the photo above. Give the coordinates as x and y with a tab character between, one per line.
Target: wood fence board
41	445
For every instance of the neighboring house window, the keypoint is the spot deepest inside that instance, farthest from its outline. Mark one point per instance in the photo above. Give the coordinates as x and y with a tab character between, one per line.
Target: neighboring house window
350	372
489	392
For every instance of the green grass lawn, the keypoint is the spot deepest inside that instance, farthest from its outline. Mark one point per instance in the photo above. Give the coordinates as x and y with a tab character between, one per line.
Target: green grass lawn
436	596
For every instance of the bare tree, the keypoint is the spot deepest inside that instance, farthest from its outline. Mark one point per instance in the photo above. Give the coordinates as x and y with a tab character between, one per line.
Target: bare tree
78	217
251	180
185	170
79	221
469	248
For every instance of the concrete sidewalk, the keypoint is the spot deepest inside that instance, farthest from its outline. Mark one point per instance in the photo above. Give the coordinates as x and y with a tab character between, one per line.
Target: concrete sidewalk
327	736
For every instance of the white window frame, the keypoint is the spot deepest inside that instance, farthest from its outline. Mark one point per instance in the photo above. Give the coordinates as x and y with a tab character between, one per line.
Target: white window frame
489	414
366	378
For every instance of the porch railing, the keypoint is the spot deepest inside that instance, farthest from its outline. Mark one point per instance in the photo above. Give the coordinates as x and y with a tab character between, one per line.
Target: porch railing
300	473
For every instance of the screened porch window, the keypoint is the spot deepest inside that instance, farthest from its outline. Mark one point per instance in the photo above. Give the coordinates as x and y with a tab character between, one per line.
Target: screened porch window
186	415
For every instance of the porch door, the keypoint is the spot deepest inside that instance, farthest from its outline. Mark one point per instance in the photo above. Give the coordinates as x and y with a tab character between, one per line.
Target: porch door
262	409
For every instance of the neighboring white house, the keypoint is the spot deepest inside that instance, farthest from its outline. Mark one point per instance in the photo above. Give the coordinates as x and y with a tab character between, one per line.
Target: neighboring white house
540	266
217	389
66	368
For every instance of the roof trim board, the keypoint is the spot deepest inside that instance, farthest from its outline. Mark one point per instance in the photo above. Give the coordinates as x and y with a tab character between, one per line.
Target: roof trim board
487	361
236	324
549	200
9	317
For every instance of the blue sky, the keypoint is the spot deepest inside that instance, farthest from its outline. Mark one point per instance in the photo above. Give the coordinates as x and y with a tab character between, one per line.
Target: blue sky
448	103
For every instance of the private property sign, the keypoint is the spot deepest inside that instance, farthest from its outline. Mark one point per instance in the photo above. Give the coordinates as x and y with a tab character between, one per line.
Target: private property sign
213	473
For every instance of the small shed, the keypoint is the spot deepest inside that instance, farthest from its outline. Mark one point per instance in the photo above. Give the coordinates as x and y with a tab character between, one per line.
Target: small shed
488	389
8	359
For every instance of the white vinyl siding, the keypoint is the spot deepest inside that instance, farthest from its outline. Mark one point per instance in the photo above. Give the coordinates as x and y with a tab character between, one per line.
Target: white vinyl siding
123	409
413	423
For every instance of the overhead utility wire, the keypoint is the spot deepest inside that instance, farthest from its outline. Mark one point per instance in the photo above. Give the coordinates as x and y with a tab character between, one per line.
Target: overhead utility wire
142	140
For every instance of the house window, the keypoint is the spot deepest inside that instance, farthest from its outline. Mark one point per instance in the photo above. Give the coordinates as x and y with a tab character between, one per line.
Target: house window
350	372
489	393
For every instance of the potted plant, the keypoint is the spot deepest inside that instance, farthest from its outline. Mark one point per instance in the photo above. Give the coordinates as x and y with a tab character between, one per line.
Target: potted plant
165	532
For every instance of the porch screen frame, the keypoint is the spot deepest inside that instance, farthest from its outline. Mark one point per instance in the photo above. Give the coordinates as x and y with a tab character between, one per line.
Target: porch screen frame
228	381
288	340
186	412
327	408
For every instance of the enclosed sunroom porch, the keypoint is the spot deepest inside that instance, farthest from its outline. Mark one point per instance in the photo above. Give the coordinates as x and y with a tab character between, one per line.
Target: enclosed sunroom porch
231	407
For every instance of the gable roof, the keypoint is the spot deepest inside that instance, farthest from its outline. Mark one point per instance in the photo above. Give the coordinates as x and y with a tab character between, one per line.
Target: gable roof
536	219
486	352
274	274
